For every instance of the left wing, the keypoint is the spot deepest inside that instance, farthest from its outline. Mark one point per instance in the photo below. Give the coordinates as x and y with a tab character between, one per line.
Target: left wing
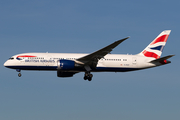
92	59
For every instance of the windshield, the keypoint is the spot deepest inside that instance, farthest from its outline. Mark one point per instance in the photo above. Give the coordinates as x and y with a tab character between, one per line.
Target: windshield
11	58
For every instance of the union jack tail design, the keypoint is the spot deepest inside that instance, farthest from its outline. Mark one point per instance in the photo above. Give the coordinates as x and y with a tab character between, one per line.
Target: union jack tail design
155	48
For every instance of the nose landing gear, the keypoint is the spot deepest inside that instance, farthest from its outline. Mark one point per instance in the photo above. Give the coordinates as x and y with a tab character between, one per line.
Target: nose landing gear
88	76
18	70
19	74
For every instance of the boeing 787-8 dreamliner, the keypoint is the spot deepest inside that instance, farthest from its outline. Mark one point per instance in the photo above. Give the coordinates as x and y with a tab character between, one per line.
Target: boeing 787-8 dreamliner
68	64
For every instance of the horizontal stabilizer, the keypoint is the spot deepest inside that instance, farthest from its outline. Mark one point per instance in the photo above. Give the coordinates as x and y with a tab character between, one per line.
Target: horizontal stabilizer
162	60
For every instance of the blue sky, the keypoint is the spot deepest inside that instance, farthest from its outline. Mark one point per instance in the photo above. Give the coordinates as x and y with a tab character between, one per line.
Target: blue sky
84	27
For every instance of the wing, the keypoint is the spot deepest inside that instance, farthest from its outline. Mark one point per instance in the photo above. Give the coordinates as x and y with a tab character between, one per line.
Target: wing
92	59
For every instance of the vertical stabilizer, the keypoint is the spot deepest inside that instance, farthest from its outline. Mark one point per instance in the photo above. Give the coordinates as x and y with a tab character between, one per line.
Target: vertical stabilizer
155	48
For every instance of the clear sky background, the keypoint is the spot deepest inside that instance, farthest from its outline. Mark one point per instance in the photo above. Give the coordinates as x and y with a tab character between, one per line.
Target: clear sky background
84	26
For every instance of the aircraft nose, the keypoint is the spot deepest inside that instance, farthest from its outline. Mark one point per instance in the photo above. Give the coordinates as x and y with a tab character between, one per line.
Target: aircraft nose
6	64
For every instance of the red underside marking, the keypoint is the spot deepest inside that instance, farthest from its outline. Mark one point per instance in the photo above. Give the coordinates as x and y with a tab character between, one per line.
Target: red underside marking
161	39
26	56
150	54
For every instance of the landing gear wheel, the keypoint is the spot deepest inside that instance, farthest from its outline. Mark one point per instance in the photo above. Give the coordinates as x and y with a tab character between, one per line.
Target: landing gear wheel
85	77
88	76
19	74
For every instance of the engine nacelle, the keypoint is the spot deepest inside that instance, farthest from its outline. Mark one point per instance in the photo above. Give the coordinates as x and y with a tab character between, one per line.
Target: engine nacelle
65	64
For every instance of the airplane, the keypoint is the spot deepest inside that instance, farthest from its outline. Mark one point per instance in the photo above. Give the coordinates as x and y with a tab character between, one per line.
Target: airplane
68	64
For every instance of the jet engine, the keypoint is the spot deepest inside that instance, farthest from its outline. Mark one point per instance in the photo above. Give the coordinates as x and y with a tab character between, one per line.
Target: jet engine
65	64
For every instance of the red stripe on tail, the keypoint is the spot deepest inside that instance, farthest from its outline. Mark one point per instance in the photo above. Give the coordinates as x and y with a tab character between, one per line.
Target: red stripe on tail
150	54
162	38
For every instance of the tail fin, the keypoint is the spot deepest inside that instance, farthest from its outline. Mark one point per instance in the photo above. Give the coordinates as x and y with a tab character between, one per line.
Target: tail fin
155	48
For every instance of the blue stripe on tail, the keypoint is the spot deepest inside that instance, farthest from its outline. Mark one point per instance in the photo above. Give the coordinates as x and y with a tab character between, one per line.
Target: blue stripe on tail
160	48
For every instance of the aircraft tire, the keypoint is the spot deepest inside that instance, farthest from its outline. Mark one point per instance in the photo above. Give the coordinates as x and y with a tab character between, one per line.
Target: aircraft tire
19	74
85	77
91	75
89	79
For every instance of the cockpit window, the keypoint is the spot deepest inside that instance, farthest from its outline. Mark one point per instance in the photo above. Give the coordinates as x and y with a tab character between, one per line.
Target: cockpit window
11	58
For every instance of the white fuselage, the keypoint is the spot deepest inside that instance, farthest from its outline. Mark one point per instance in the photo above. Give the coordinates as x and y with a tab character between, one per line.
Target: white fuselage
48	61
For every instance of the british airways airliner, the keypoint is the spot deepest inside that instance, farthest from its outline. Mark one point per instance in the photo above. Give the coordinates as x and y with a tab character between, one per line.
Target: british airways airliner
68	64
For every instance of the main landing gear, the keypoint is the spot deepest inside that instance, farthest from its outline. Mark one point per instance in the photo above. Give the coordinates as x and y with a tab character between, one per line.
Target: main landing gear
18	70
88	76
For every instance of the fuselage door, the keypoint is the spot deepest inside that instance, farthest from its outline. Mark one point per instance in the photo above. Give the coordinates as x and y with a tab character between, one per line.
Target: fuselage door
134	61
